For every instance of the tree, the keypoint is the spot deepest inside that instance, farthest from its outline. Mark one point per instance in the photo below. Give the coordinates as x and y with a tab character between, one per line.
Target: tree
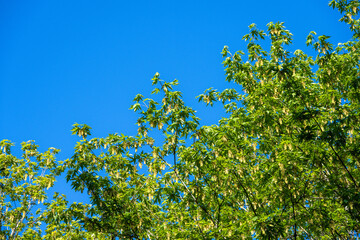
284	164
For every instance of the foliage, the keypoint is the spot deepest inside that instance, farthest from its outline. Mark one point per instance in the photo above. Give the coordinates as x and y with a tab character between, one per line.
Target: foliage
23	185
284	164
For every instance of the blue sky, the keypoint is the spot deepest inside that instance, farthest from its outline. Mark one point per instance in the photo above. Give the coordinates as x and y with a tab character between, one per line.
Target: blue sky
66	61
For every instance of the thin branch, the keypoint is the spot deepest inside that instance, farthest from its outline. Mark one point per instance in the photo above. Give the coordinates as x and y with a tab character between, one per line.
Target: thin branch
246	193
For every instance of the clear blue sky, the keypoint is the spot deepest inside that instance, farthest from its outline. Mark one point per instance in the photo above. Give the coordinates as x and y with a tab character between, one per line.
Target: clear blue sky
81	61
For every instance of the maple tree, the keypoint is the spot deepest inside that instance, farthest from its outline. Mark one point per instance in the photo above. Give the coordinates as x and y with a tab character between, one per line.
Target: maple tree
283	164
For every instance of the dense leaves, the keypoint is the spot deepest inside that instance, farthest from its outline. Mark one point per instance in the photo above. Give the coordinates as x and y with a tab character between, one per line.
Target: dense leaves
283	164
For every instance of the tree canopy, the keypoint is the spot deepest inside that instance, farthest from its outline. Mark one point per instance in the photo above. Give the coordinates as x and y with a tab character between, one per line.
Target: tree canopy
284	163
